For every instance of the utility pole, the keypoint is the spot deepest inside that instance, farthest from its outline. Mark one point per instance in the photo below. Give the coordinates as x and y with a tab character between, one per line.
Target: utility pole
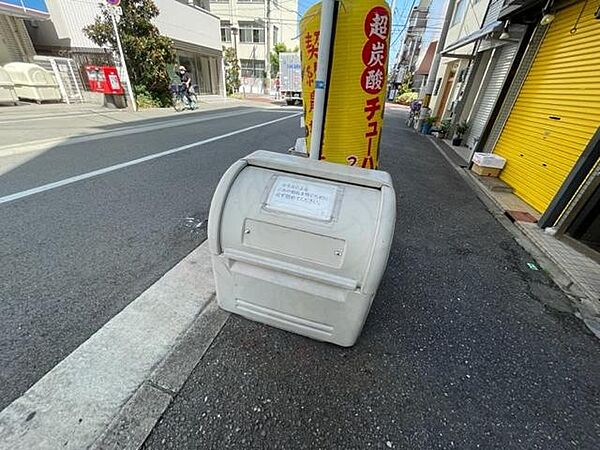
268	41
114	10
326	31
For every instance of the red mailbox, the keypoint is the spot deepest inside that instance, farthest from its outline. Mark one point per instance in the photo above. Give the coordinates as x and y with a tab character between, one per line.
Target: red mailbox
104	79
95	78
112	83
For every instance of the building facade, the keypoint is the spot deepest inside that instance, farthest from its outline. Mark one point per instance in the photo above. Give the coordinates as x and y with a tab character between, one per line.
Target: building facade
15	43
467	18
194	31
526	82
547	126
495	54
421	75
410	53
253	27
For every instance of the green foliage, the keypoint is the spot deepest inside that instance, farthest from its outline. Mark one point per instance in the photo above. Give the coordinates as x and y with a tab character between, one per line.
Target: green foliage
144	99
431	120
147	53
445	126
405	87
278	48
232	70
407	98
462	128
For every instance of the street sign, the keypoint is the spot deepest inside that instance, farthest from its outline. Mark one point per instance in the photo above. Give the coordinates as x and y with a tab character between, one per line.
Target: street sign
113	2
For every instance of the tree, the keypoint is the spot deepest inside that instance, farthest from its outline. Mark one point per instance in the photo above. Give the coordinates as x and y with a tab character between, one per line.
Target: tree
278	48
147	53
232	70
406	85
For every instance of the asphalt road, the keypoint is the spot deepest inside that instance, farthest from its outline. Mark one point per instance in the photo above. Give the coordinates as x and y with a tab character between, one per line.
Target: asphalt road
459	350
74	256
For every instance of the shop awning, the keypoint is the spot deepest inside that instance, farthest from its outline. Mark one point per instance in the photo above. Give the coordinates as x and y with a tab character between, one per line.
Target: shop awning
470	38
26	9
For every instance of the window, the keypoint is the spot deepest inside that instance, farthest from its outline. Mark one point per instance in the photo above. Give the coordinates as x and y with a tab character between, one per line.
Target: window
459	11
438	83
275	35
225	31
251	33
252	68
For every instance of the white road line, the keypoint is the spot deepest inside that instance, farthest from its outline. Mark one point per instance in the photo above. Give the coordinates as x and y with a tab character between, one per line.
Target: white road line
74	403
95	173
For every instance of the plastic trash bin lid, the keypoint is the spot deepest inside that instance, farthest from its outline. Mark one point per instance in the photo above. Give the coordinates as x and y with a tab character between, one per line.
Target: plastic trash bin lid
319	169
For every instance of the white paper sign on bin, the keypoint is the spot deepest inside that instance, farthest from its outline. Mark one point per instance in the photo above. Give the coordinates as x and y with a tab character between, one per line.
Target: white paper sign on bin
301	244
305	198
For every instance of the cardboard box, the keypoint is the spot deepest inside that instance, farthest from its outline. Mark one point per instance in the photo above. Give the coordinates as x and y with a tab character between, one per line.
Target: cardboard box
485	171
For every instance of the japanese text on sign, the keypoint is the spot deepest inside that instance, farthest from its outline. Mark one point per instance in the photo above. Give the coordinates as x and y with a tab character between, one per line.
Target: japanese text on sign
373	78
303	198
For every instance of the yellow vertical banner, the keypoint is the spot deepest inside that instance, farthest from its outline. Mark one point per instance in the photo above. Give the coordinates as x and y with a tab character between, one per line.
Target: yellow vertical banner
357	80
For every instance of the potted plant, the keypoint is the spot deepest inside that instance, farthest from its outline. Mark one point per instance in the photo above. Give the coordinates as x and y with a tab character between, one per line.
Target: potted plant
428	124
444	128
459	132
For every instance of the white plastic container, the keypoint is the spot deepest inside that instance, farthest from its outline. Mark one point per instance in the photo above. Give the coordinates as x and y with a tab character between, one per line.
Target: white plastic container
489	160
301	244
7	88
33	82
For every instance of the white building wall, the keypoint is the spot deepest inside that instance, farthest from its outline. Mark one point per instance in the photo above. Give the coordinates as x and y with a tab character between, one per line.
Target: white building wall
195	33
65	27
283	16
188	24
470	21
176	20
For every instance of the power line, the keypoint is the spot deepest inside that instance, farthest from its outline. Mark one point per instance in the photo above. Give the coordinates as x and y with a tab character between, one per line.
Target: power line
405	25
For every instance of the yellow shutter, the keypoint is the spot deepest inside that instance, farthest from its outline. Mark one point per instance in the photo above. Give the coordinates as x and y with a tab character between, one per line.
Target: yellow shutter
557	110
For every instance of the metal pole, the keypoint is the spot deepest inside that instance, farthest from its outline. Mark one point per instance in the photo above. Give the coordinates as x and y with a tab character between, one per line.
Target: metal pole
435	64
123	63
268	42
326	30
234	31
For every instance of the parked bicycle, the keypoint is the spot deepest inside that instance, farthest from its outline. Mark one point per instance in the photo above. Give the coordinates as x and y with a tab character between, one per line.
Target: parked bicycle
413	115
182	101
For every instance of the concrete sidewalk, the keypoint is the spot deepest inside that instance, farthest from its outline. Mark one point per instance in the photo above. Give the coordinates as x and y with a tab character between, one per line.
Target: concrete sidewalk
465	347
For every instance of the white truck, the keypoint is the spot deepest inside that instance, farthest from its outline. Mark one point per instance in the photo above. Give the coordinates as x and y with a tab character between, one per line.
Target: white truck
290	77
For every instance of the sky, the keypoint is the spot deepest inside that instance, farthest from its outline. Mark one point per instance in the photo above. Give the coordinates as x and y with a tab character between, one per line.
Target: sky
400	14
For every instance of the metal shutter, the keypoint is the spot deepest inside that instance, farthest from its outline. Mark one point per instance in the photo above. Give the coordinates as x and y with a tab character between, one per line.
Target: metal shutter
15	40
498	69
493	12
8	39
557	110
513	90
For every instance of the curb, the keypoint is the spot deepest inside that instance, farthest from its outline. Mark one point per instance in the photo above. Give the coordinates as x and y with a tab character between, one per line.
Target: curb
110	391
133	424
580	301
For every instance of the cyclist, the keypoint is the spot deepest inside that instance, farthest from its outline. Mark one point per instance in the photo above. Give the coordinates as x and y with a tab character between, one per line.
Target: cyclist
186	83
